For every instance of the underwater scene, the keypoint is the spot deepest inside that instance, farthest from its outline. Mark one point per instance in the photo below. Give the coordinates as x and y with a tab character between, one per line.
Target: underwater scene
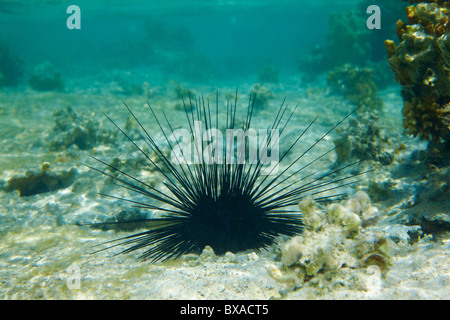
246	150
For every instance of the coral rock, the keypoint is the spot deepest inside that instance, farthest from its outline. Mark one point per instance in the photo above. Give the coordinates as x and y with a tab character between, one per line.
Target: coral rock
421	62
334	251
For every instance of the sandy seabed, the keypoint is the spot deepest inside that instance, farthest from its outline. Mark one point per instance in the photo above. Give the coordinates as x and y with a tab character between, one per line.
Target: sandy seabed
45	255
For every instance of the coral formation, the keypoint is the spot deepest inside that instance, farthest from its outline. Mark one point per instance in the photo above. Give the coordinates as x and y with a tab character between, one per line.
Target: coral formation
390	11
363	139
333	243
356	85
182	91
81	131
422	67
45	78
347	40
421	62
263	96
346	44
40	182
268	74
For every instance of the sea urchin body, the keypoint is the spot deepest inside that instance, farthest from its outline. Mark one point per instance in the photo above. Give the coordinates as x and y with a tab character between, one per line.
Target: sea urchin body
227	205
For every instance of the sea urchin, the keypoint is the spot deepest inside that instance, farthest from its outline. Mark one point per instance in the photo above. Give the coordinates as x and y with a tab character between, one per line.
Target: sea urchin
230	203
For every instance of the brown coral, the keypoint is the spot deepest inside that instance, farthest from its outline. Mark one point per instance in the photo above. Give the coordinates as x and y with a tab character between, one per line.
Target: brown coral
421	62
433	118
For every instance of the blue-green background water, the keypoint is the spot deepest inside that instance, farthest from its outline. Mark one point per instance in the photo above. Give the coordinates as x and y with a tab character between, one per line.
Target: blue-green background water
229	40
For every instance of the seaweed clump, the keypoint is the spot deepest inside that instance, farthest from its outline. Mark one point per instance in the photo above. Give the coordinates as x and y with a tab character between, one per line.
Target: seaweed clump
421	62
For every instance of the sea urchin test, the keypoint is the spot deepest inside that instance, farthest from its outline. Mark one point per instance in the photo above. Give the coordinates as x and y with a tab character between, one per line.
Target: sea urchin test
230	206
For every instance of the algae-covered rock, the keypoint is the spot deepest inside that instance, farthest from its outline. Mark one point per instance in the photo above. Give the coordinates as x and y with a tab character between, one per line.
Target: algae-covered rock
40	182
421	62
45	78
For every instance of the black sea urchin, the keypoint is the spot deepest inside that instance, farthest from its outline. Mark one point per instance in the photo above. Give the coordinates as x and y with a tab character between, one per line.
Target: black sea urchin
230	203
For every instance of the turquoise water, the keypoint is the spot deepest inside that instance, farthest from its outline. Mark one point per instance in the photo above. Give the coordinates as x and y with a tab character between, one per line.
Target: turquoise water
57	84
235	40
